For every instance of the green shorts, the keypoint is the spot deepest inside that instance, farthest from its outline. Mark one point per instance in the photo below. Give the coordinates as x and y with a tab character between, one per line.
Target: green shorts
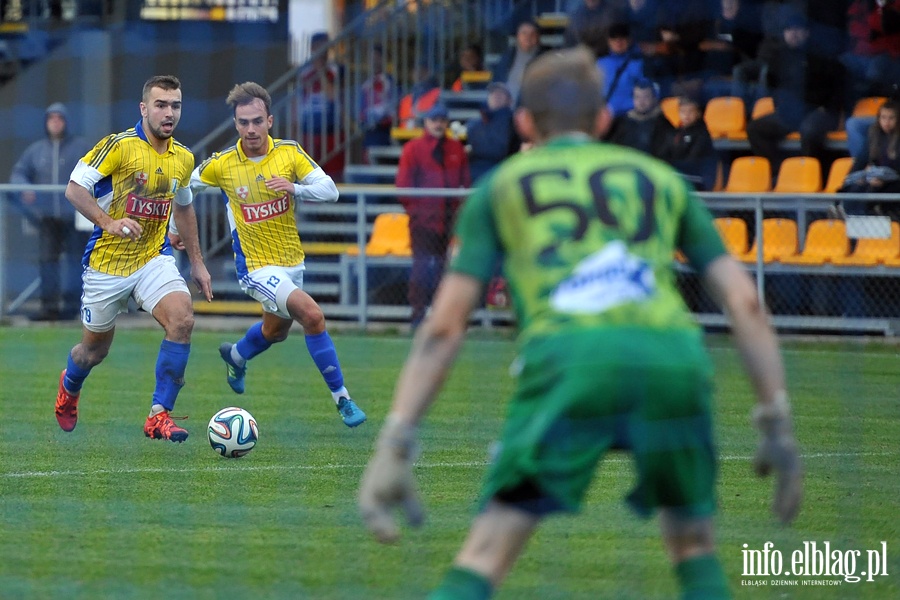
581	394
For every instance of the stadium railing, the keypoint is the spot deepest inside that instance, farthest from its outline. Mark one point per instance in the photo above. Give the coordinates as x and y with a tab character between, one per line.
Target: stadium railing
857	289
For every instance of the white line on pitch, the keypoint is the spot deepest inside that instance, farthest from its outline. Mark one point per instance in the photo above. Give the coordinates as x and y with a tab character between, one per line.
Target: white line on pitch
422	465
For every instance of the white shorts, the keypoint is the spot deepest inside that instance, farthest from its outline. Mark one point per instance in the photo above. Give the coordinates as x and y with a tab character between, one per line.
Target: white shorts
105	296
271	286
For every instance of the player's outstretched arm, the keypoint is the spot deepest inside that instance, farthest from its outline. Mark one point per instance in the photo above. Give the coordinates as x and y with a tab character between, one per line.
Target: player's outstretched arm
85	203
186	227
388	481
735	292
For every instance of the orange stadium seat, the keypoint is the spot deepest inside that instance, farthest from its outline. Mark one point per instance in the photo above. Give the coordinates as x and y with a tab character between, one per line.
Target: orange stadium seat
762	107
749	174
874	251
725	118
868	107
733	232
839	170
826	240
799	174
669	108
390	236
779	241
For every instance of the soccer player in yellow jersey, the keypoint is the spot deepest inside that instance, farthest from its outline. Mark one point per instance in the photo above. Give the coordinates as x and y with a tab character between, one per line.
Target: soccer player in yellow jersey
126	186
263	179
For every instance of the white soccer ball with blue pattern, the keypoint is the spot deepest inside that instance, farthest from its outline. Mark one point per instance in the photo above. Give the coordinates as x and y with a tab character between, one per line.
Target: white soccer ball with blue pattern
233	432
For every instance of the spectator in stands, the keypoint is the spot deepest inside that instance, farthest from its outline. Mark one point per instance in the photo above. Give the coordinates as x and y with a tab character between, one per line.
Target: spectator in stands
421	98
50	160
642	17
511	67
318	81
644	127
690	149
377	102
735	38
621	68
430	161
682	27
471	60
590	21
492	137
879	170
873	59
858	129
807	93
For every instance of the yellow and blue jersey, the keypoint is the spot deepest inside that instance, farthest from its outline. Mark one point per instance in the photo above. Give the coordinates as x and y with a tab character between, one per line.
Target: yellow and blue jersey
140	184
262	221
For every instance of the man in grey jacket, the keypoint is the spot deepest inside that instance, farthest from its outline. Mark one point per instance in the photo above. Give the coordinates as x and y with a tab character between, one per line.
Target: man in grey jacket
50	161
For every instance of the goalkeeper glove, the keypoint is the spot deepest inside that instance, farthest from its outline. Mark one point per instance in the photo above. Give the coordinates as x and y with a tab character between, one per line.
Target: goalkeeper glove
388	482
778	451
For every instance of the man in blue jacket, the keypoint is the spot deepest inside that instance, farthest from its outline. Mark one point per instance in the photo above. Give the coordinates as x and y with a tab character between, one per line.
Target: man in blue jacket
492	136
50	161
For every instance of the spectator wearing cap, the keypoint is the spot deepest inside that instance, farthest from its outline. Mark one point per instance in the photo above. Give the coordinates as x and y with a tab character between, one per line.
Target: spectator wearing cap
430	161
511	67
50	161
690	149
644	127
807	91
492	137
621	68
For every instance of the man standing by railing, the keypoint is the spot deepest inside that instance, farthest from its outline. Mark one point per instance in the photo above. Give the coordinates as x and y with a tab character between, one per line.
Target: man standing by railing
430	161
50	161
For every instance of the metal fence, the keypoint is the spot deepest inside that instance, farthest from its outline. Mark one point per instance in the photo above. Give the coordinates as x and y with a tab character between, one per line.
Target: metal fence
814	271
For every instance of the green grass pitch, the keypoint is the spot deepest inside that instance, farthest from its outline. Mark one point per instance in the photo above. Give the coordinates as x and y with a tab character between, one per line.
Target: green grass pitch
105	513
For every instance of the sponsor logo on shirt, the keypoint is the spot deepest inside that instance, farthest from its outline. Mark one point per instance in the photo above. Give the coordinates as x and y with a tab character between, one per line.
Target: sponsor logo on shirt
603	280
159	171
147	208
263	211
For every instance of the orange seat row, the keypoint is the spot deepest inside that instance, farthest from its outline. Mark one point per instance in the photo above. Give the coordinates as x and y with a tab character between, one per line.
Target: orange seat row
826	243
797	175
725	116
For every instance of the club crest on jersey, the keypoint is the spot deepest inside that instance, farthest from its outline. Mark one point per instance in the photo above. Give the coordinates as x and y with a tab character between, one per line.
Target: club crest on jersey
242	192
141	178
263	211
154	209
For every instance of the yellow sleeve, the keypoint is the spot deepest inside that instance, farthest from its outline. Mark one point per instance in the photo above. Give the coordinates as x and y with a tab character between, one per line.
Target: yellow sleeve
209	171
303	164
105	156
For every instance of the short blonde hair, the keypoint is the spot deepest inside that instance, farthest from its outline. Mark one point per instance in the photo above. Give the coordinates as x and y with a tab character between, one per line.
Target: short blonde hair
563	92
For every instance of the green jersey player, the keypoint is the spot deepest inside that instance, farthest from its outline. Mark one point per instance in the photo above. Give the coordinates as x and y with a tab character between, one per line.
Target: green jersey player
609	357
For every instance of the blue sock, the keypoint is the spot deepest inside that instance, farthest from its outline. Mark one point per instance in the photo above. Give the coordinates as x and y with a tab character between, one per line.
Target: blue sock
253	342
75	376
321	348
170	366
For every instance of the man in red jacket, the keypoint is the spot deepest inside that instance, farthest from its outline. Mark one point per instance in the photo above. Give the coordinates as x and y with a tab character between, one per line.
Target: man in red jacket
431	161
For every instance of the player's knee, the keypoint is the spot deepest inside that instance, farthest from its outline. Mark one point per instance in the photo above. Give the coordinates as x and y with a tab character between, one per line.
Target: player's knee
92	355
687	537
180	326
311	317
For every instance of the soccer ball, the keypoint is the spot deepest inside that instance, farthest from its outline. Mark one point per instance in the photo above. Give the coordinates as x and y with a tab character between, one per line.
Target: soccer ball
233	432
